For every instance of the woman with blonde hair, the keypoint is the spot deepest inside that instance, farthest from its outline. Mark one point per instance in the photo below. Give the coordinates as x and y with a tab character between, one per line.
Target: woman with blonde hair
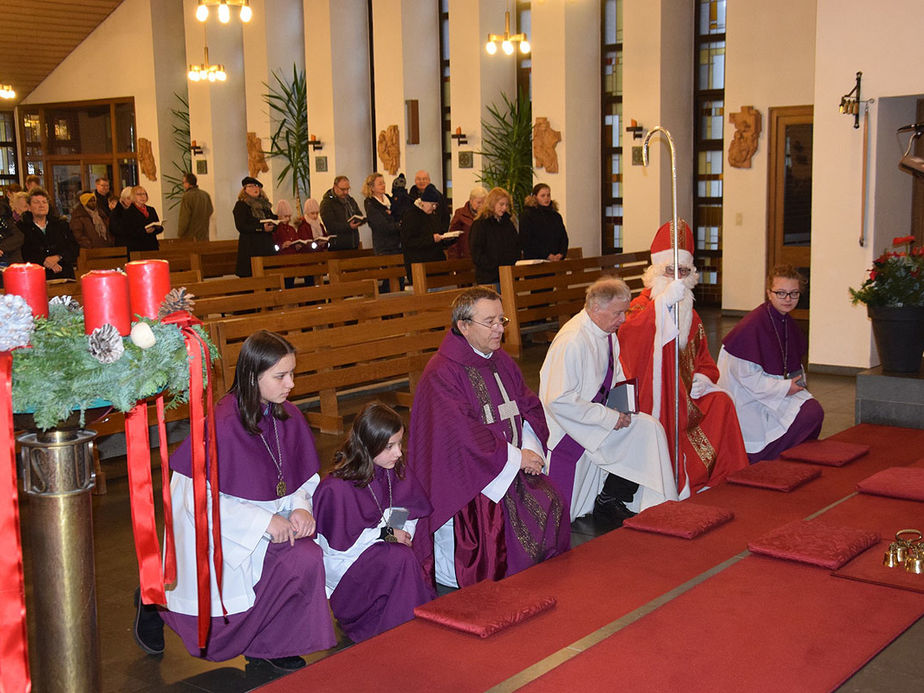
386	237
493	239
139	224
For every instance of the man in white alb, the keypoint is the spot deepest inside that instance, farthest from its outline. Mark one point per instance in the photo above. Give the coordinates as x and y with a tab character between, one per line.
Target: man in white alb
597	450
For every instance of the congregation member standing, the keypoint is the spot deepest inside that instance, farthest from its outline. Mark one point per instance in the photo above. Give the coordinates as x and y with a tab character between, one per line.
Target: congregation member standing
367	511
422	233
139	225
87	224
462	222
761	366
493	240
600	457
251	212
710	439
117	215
542	230
273	572
105	200
11	240
195	210
422	182
341	216
47	239
477	444
386	234
312	227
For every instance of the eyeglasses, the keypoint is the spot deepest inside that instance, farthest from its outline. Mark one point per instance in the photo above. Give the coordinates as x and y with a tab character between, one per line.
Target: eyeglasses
500	322
683	271
787	294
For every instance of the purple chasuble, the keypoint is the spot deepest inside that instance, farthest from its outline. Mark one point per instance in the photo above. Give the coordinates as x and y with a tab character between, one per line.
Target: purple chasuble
763	336
458	445
343	509
245	467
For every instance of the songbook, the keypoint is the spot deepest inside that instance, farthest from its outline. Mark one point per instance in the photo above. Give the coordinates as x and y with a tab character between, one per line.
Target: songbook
356	218
274	222
623	396
451	234
536	261
154	225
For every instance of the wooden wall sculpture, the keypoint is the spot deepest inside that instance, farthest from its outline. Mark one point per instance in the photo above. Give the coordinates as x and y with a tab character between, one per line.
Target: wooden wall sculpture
146	159
256	162
545	139
389	148
747	133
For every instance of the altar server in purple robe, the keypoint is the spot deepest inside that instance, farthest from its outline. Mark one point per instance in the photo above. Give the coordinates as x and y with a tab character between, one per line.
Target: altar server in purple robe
273	587
367	511
761	366
478	445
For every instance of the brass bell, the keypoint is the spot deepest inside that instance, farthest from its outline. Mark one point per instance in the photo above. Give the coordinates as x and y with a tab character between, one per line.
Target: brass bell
901	551
890	560
915	563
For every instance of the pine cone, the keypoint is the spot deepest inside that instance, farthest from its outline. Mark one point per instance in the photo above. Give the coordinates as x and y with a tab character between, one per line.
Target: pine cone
105	344
176	300
16	318
66	301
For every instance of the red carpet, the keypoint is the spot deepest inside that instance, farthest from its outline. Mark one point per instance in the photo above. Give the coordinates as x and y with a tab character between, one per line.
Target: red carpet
598	583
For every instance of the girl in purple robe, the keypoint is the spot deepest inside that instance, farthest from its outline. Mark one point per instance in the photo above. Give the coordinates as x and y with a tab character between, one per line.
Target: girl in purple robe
374	581
273	579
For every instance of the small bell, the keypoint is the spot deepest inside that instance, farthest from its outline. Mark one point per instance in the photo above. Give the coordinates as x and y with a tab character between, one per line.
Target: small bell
915	563
890	560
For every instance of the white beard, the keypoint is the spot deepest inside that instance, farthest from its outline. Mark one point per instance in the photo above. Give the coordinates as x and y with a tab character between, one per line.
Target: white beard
655	280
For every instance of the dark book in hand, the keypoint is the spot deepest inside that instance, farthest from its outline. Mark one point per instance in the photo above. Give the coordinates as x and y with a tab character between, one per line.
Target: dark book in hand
623	397
356	219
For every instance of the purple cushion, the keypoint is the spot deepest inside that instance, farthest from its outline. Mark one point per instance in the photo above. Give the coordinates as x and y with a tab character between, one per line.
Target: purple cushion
814	542
679	519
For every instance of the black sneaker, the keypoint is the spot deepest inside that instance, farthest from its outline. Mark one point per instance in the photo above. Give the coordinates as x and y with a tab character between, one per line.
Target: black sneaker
610	510
280	663
149	627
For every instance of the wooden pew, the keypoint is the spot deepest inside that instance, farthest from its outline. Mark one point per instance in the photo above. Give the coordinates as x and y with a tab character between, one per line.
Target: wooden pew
388	269
239	285
542	297
216	307
301	264
180	258
347	347
100	258
433	276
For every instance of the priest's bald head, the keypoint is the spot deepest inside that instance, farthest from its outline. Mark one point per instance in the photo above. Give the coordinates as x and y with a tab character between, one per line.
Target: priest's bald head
478	315
606	302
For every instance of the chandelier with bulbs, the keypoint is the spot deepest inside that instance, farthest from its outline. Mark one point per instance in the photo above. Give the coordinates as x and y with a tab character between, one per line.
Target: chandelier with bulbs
507	40
224	10
6	91
207	72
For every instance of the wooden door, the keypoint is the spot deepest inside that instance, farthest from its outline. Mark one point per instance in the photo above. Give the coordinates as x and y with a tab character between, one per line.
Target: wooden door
789	205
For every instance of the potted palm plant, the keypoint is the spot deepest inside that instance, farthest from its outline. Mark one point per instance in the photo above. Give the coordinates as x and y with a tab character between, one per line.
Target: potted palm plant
288	103
507	157
894	296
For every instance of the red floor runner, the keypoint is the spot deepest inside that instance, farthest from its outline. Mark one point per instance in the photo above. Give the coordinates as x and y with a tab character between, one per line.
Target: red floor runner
594	584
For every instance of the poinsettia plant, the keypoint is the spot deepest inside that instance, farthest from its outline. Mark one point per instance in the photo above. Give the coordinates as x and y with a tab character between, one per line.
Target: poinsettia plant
896	278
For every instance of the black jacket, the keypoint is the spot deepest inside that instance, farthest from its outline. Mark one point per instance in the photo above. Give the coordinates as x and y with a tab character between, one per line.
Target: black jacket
334	214
386	234
493	243
130	230
56	239
417	229
542	233
253	240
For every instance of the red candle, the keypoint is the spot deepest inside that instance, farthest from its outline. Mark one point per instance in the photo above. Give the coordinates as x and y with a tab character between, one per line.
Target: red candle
105	299
28	280
148	283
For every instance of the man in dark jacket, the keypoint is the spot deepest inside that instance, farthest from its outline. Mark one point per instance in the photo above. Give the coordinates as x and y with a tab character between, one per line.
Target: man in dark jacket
341	216
195	211
48	240
421	181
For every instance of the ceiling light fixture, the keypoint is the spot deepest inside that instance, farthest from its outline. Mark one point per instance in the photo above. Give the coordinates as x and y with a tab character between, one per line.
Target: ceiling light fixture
224	10
207	72
6	91
507	40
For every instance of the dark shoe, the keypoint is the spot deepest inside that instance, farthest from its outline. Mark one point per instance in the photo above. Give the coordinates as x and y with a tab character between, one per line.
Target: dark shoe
280	663
149	627
610	510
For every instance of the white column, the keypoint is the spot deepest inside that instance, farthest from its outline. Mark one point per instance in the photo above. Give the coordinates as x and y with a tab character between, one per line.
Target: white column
657	90
566	90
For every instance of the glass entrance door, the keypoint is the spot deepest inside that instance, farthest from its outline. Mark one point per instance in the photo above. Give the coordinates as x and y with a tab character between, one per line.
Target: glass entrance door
66	185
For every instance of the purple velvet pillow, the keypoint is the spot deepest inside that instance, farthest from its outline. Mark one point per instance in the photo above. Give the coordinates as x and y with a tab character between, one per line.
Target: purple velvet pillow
832	453
814	542
679	519
774	474
896	482
485	608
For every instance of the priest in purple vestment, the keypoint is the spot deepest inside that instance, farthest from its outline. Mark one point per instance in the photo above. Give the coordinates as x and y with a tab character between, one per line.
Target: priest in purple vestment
761	366
478	445
367	511
273	572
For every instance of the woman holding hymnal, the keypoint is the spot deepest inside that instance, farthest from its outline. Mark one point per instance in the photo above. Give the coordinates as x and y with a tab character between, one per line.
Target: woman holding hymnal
367	512
139	224
312	227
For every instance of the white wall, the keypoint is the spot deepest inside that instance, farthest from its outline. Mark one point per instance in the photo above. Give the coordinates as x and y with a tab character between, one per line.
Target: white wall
770	54
886	45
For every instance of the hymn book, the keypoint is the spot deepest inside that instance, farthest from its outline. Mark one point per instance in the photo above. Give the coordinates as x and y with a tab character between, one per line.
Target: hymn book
623	397
154	225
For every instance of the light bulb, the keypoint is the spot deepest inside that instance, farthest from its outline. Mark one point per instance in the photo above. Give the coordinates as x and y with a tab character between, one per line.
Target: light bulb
202	12
490	47
524	47
246	12
211	76
193	75
507	47
221	75
224	13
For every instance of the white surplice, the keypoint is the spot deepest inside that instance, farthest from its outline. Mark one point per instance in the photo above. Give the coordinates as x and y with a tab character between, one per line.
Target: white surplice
243	544
764	407
571	375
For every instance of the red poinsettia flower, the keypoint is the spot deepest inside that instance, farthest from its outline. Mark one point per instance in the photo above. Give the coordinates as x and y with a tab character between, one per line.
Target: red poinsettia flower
901	240
873	274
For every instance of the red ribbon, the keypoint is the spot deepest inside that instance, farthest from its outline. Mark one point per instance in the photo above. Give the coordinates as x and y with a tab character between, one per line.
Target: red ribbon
14	656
